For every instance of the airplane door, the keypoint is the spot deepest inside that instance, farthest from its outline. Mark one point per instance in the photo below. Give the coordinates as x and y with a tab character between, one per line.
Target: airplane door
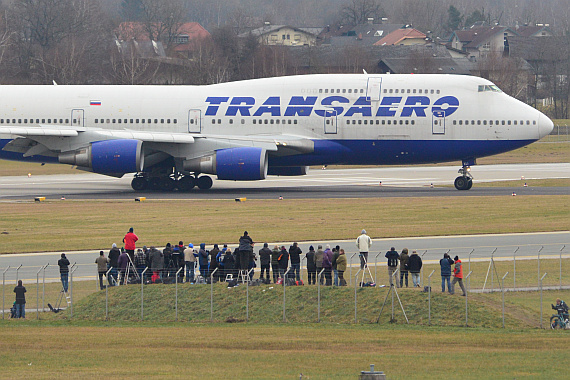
438	123
194	121
77	118
331	122
373	89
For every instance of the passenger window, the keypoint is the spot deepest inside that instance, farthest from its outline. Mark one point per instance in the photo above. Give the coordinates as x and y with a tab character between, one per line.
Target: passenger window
137	121
391	91
295	121
213	121
326	90
277	121
359	122
149	121
508	122
14	121
344	90
437	92
350	90
132	121
96	121
419	91
407	122
253	121
338	90
175	121
389	122
243	121
408	91
231	121
454	122
395	91
289	121
120	121
413	122
414	91
361	90
431	92
272	121
490	122
534	122
502	122
43	121
191	121
460	122
66	121
383	122
320	90
401	122
484	122
161	121
265	121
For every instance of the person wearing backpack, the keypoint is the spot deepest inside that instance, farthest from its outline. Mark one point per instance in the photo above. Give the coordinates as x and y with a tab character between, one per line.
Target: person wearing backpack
392	256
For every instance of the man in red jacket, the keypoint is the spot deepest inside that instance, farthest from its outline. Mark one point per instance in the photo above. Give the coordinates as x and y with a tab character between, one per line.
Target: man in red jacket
130	240
457	276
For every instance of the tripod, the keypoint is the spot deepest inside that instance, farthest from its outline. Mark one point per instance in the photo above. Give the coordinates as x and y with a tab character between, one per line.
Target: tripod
366	268
491	264
392	291
57	307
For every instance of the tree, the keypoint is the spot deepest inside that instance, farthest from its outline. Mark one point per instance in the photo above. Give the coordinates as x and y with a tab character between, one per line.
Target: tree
163	19
359	11
454	18
476	16
132	10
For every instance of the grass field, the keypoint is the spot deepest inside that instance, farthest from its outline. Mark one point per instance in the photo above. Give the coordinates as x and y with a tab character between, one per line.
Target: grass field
77	225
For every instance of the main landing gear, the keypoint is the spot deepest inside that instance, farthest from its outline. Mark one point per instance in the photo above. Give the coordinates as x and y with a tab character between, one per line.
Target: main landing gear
144	181
465	181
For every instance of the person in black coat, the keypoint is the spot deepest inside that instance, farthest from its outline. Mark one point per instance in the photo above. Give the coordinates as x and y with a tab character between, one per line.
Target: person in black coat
311	266
64	271
283	261
265	260
415	266
113	257
245	249
20	303
295	257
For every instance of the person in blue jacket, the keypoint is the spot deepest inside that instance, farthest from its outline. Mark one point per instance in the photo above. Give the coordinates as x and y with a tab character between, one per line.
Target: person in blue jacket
445	265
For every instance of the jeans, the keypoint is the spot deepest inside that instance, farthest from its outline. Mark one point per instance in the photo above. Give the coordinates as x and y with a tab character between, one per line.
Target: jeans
445	279
65	280
296	269
403	273
328	276
20	310
335	277
189	271
312	274
204	271
416	279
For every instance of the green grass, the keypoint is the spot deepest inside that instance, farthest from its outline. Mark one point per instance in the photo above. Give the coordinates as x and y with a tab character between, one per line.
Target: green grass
557	182
81	225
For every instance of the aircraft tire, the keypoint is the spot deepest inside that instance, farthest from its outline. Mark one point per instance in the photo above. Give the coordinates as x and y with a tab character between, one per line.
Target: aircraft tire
167	184
204	182
186	183
139	184
469	184
461	183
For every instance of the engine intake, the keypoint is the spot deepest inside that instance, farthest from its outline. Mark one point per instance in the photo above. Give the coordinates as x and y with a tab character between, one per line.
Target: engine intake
110	157
236	164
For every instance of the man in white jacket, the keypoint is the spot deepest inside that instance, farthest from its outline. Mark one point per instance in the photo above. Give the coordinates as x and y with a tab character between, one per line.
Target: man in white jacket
363	242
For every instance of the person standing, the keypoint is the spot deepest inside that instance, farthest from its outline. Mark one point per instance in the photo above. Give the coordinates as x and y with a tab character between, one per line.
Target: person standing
213	260
404	267
327	265
445	265
156	263
130	239
363	243
275	263
123	262
245	250
114	254
101	262
283	262
20	303
415	266
458	276
265	261
189	260
392	256
203	260
341	264
295	257
319	262
140	262
336	253
311	266
64	271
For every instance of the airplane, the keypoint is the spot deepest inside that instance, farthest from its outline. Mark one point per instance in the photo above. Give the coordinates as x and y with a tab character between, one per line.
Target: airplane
169	136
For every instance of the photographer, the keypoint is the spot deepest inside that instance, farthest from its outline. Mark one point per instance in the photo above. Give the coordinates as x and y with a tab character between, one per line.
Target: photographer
562	308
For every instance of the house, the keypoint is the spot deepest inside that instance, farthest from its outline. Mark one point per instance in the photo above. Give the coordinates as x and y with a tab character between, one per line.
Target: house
538	30
284	35
186	38
406	36
482	41
364	34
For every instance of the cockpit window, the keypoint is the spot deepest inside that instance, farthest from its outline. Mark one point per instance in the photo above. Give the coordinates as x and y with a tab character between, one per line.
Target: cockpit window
493	88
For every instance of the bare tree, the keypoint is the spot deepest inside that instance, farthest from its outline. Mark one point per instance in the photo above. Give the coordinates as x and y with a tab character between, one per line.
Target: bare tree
163	19
359	11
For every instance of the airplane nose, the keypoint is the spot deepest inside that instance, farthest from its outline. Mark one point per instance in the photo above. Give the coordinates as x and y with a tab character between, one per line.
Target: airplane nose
545	125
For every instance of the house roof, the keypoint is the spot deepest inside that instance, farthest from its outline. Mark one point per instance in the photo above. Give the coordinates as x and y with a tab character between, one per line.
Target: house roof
478	35
142	49
136	30
273	28
532	31
399	35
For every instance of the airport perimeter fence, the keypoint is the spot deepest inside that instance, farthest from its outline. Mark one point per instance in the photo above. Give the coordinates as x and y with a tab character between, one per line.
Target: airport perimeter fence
502	270
560	133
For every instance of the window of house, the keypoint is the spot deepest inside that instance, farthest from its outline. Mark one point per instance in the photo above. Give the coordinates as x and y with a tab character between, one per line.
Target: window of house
297	37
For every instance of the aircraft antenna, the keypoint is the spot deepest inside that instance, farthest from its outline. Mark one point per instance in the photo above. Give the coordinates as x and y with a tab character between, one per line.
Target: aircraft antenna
365	73
54	83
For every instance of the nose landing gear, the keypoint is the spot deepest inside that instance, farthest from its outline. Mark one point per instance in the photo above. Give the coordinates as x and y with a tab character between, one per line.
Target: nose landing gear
465	181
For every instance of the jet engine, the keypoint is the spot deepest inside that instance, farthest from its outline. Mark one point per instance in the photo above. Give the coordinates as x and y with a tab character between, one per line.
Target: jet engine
237	164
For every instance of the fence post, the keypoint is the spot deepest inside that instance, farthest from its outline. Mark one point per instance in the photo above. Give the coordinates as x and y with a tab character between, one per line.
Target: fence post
4	287
107	296
319	295
142	291
18	273
469	268
284	286
212	295
247	295
376	267
422	269
541	299
350	266
176	291
466	296
515	269
38	294
493	270
359	270
429	296
73	269
561	249
301	268
503	291
539	262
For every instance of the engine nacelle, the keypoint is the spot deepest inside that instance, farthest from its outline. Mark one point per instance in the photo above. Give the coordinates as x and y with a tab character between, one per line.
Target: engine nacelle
110	157
236	164
289	171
